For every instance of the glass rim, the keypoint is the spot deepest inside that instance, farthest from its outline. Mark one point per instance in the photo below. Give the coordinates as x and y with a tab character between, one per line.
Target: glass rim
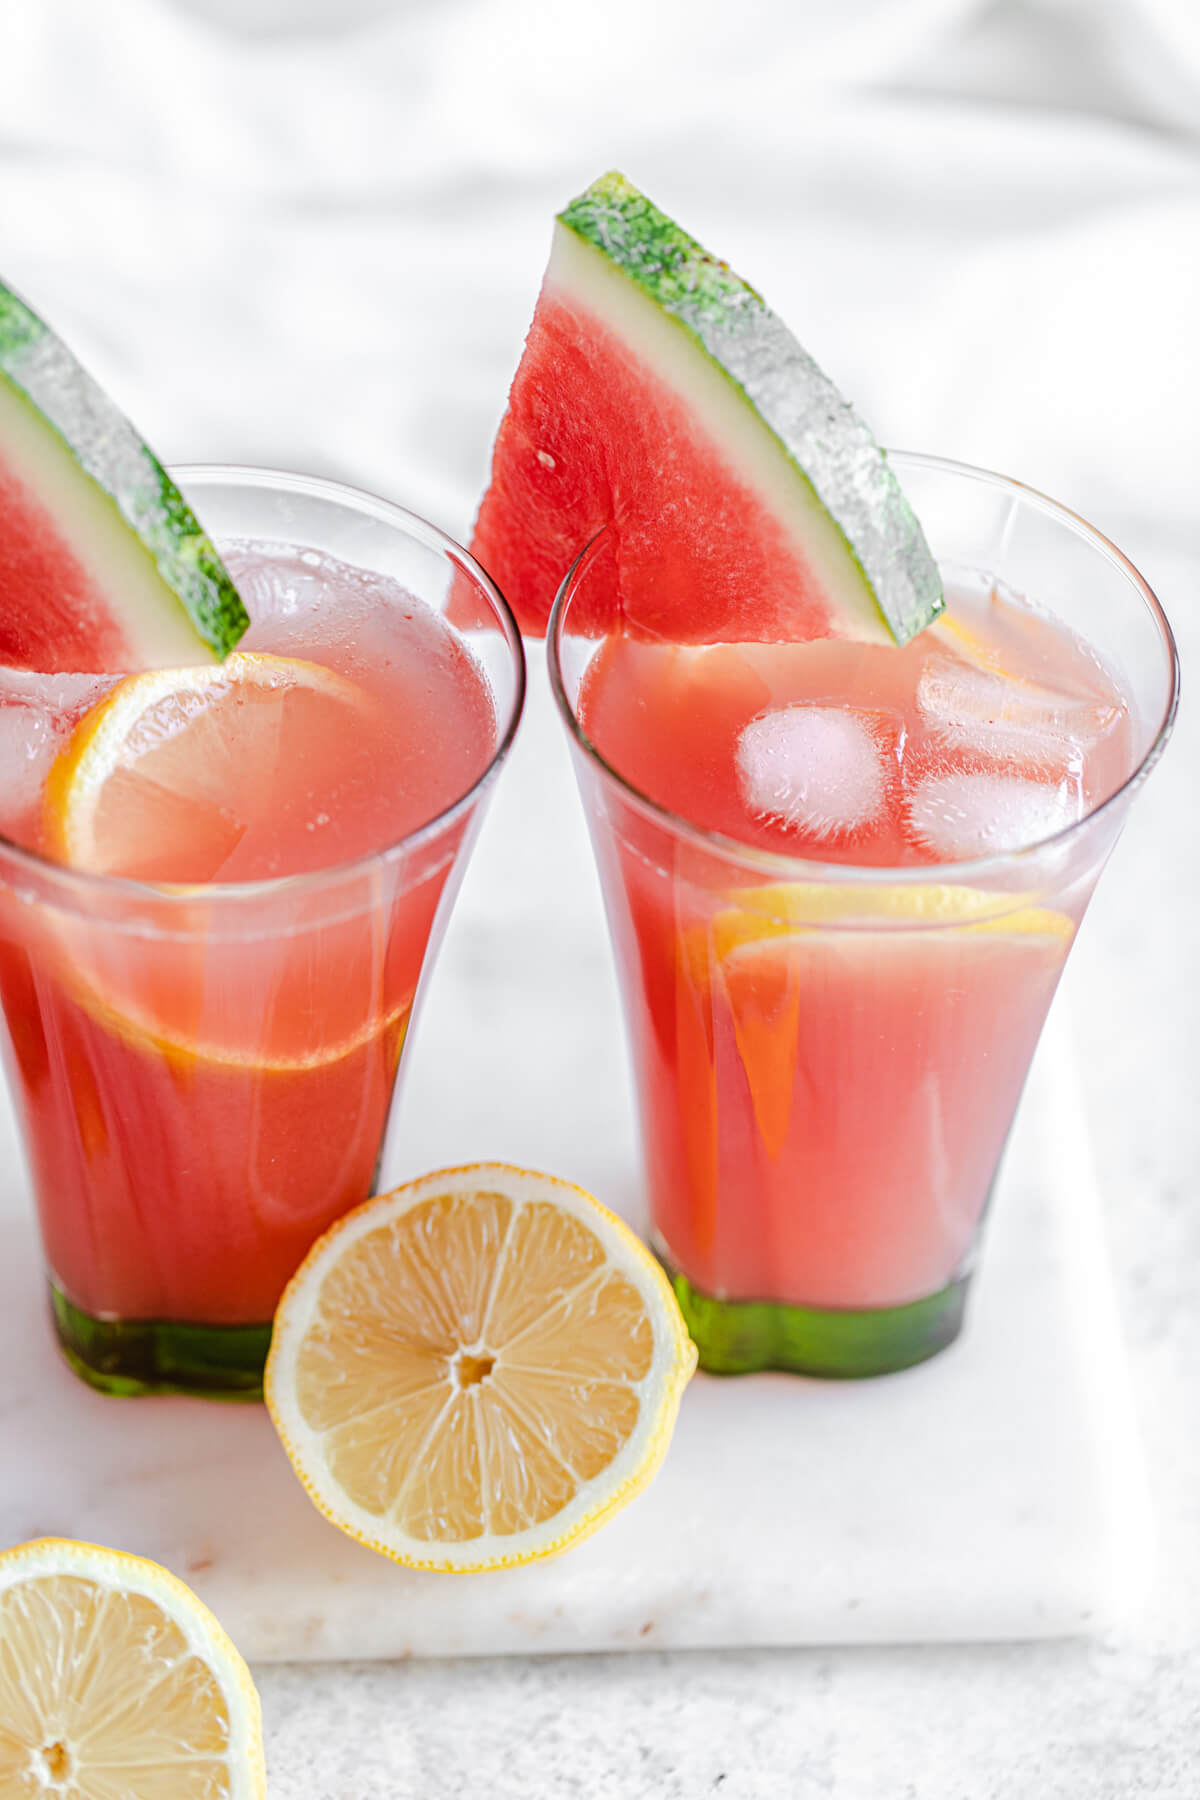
390	513
891	875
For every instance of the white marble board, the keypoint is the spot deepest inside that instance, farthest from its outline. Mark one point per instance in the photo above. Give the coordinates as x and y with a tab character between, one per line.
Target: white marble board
996	1492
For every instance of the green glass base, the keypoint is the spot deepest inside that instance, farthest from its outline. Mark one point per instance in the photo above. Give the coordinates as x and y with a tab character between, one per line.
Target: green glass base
742	1337
156	1356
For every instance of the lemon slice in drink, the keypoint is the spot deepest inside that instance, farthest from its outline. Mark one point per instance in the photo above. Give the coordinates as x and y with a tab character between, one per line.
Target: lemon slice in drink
788	910
163	779
779	949
161	782
115	1681
477	1369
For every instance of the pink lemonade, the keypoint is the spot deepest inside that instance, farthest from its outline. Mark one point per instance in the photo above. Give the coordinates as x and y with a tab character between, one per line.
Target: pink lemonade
841	878
827	1072
204	1078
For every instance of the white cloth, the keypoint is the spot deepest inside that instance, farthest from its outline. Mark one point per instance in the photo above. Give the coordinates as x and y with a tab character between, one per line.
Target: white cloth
320	247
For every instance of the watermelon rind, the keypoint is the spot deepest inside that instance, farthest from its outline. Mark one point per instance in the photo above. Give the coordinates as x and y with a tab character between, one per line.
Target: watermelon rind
114	505
781	422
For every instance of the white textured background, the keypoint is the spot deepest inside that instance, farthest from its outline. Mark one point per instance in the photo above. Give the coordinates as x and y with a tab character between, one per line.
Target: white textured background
310	232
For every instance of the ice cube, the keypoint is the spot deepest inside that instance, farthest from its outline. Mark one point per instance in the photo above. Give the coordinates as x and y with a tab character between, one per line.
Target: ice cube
964	813
23	765
998	716
304	600
820	769
37	715
61	697
279	585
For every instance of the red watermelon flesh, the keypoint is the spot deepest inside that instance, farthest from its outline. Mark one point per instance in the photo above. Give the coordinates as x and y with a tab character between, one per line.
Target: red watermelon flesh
593	436
658	395
54	614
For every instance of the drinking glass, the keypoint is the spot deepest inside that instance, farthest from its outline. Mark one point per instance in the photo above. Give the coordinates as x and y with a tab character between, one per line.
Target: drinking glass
203	1075
828	1058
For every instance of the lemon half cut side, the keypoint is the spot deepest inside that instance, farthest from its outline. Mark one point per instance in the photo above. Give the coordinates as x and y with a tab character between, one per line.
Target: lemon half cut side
116	1683
477	1369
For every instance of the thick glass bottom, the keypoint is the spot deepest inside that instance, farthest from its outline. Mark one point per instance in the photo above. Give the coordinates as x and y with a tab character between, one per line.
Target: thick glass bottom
127	1357
742	1337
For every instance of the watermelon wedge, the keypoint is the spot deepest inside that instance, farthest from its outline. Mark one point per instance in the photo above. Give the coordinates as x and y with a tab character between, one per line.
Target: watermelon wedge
659	395
103	566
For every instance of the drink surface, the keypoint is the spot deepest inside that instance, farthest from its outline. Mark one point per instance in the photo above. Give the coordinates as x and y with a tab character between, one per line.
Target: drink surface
333	782
992	729
827	1068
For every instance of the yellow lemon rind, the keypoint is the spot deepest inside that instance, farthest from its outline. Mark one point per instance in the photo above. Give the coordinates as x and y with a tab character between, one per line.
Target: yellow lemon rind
800	909
183	1053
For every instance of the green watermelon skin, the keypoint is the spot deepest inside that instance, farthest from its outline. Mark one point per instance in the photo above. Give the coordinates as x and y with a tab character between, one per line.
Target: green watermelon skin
659	394
103	565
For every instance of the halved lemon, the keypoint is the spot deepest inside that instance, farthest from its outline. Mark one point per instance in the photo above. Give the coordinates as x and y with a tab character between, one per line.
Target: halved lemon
477	1369
163	779
115	1681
